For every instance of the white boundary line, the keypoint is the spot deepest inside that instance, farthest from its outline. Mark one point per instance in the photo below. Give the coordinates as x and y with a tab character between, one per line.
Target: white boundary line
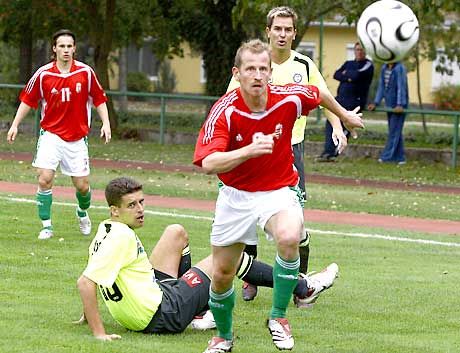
318	231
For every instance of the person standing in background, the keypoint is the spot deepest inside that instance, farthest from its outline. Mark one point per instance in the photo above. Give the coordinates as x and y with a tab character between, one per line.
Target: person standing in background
393	88
355	77
66	89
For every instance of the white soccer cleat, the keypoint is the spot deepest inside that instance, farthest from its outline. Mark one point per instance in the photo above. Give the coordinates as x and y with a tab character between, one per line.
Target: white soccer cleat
317	283
219	345
45	233
281	333
204	322
85	224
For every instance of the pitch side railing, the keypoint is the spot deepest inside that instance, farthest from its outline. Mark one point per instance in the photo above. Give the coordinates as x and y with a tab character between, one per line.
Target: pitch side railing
164	97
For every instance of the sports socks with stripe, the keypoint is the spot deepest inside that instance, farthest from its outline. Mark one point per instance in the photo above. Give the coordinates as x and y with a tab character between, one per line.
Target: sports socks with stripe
84	201
285	278
44	200
221	306
185	261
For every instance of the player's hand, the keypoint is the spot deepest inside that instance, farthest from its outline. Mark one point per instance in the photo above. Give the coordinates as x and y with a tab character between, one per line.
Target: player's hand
340	140
371	106
81	320
261	144
352	121
12	133
108	337
398	109
106	132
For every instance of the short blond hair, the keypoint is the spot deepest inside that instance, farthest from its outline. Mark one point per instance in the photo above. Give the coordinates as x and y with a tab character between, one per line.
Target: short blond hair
255	46
281	11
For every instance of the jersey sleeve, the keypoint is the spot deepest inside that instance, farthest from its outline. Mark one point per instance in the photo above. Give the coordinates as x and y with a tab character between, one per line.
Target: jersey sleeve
310	98
214	134
109	255
30	95
96	91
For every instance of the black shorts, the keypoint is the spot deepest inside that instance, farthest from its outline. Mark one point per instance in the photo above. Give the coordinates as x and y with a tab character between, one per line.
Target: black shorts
183	299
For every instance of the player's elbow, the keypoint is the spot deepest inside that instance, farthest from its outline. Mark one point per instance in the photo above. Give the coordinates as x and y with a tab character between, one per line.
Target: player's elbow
84	283
208	166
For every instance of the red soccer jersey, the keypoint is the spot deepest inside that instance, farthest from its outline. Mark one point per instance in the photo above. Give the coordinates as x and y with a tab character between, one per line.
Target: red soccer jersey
66	98
230	125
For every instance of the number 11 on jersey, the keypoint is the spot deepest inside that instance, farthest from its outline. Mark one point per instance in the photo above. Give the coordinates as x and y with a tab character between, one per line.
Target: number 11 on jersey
65	94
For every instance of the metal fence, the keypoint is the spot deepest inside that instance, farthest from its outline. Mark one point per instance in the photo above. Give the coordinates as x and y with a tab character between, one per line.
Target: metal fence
165	97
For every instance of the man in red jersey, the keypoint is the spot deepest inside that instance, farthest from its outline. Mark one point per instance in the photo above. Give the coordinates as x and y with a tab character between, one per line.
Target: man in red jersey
246	141
66	89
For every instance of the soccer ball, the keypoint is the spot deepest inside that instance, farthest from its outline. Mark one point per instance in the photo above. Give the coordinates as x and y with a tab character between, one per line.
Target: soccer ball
388	30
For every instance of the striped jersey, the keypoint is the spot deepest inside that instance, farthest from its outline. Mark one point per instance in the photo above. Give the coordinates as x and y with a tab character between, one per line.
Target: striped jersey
230	125
66	98
298	69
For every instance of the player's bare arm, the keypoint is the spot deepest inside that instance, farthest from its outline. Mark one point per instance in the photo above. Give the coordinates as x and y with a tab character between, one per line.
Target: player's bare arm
104	115
21	113
351	123
349	117
338	136
88	294
221	162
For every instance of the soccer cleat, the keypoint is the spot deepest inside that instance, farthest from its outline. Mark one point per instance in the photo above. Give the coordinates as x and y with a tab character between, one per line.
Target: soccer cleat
85	224
203	322
45	233
281	333
219	345
249	291
317	283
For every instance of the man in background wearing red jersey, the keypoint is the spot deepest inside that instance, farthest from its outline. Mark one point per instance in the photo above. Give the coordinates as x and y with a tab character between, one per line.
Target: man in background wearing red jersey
66	89
246	141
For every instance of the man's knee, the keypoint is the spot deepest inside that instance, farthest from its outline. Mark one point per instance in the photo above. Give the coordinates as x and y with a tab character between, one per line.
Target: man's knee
178	232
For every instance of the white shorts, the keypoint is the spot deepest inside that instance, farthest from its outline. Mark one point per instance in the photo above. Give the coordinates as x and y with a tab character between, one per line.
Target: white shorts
53	151
238	213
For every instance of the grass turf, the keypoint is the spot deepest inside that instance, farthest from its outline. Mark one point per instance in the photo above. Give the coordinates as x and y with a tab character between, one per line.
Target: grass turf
390	297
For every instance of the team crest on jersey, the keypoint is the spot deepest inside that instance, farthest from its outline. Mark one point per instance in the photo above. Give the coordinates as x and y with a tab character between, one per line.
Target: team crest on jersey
239	138
78	87
297	78
54	91
192	278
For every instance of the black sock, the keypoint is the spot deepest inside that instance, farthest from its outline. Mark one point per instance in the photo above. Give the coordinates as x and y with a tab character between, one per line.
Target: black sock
260	274
185	261
251	250
304	252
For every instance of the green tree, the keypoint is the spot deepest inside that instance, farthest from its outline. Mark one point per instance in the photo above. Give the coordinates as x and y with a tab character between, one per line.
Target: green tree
216	28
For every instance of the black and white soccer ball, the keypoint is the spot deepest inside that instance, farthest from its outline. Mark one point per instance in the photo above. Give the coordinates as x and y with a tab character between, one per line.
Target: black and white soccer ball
388	30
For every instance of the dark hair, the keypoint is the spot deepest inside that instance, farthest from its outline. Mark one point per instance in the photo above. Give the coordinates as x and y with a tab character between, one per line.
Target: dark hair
119	187
62	32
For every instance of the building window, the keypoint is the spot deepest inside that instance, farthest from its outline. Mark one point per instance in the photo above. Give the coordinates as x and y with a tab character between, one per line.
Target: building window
142	59
444	71
351	51
202	72
307	48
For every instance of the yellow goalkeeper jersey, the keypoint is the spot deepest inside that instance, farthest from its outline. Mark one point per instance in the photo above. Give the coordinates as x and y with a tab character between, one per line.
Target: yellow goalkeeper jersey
119	265
300	69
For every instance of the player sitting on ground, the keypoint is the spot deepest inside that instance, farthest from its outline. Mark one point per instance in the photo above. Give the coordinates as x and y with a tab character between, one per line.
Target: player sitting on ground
165	298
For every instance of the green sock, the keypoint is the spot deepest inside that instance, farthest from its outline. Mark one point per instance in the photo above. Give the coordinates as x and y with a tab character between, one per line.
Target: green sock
221	306
44	201
284	281
84	201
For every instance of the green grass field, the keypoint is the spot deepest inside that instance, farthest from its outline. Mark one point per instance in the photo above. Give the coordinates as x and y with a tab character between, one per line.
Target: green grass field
392	295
